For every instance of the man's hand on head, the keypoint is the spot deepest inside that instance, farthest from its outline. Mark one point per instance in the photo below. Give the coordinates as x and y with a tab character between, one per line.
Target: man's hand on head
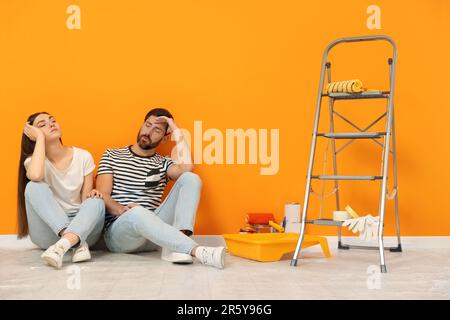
172	126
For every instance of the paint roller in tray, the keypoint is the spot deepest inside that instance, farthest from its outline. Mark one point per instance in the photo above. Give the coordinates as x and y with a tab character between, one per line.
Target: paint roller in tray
261	223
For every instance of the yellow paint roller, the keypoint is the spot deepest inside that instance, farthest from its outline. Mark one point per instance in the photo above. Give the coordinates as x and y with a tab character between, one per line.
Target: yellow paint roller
347	86
276	226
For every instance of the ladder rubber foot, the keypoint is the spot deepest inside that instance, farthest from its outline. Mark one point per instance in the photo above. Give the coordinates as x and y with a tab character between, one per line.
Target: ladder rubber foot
383	268
397	249
293	262
343	246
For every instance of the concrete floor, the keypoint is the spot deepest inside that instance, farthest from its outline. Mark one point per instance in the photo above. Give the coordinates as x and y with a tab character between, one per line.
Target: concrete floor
422	271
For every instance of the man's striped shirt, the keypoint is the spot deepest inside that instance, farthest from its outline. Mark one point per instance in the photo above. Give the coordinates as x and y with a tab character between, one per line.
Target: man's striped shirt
136	178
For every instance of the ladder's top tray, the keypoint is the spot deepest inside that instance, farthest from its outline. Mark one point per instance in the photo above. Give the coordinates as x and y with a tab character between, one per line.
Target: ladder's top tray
358	95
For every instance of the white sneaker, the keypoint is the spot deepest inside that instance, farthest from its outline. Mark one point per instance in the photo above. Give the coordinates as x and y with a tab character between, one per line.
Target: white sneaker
54	255
82	253
211	256
176	257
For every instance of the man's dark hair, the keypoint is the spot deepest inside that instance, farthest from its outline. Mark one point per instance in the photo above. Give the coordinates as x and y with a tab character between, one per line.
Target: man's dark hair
158	112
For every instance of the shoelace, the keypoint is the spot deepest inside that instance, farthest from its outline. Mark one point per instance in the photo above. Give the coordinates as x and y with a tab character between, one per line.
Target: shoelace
81	248
207	258
59	250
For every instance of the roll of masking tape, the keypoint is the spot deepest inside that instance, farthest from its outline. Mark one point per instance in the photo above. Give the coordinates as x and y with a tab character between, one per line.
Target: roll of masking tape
341	215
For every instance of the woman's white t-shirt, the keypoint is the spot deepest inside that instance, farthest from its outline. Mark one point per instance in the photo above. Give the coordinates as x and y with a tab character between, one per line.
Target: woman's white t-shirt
66	184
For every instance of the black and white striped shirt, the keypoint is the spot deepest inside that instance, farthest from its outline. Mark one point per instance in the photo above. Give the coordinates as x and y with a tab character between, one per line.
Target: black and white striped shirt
136	178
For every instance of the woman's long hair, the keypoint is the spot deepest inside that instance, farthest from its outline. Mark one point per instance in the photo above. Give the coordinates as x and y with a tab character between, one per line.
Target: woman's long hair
26	150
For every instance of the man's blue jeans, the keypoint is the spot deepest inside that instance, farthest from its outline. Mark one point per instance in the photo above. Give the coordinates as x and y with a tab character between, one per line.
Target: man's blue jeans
140	229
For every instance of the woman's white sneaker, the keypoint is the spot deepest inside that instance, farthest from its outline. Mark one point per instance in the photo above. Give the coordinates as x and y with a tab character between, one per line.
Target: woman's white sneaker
53	256
82	253
211	256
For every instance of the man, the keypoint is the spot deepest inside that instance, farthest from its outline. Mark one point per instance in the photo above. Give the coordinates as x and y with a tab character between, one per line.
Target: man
132	180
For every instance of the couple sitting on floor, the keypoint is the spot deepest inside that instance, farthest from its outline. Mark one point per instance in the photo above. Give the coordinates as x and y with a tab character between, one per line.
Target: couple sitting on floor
60	209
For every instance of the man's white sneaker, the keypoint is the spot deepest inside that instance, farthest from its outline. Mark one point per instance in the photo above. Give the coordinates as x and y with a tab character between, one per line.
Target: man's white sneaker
176	257
82	253
53	256
211	256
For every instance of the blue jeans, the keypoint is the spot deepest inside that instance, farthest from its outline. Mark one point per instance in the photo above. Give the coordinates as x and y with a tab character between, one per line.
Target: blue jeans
140	229
46	218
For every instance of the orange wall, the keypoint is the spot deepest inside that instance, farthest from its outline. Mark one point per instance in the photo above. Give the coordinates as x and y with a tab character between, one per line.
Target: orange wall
231	64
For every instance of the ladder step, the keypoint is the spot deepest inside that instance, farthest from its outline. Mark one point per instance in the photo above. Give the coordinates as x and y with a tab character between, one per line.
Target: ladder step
321	177
352	135
358	95
325	222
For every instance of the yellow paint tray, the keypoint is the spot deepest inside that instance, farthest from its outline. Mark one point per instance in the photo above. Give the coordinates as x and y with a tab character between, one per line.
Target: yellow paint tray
270	246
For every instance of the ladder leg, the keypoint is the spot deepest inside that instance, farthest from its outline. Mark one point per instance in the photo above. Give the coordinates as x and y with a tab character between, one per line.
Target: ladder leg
304	212
394	158
300	242
306	202
381	228
385	171
311	162
333	148
381	246
390	133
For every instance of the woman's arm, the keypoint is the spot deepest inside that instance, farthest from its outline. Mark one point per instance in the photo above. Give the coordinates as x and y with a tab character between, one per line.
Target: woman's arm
88	185
36	167
88	191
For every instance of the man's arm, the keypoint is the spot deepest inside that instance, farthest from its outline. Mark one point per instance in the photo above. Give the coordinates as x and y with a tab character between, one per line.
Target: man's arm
104	184
181	153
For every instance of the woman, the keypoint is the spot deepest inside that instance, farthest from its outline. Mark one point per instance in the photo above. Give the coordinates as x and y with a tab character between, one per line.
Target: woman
57	204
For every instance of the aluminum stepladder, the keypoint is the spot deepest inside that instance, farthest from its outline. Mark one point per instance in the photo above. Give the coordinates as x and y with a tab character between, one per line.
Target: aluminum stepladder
362	133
